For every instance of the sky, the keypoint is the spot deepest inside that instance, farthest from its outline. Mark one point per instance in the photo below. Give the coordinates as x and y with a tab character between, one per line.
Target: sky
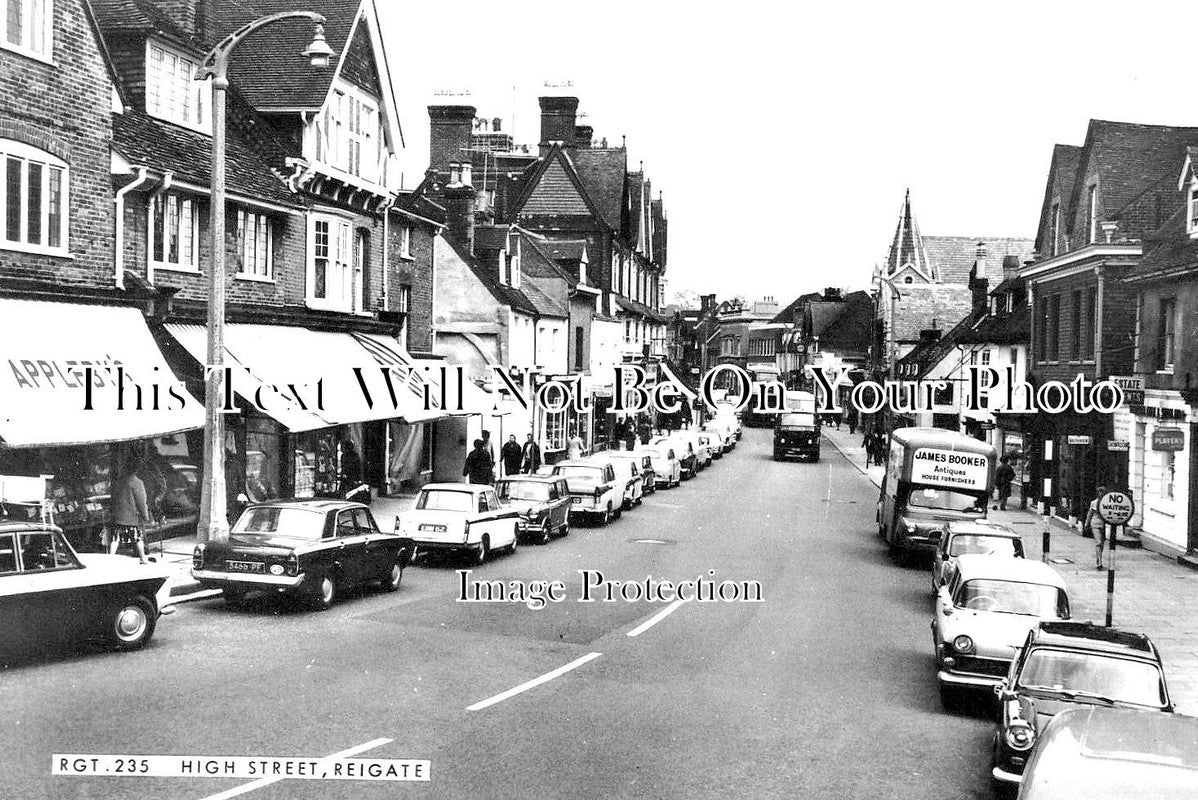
783	135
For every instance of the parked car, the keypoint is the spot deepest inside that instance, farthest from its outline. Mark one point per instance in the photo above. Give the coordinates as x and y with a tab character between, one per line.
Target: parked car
460	518
667	472
684	451
628	475
50	592
979	538
595	490
983	615
700	445
1114	754
644	463
728	426
542	503
713	442
314	549
1066	664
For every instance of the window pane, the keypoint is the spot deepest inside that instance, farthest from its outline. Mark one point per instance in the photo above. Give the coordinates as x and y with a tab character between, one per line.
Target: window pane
12	172
15	21
157	228
33	205
54	215
172	230
187	232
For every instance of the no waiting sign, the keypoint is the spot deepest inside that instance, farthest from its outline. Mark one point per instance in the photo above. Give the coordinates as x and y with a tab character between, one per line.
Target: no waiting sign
1116	508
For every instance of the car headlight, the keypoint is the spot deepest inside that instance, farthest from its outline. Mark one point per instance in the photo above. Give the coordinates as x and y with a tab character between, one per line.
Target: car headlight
910	527
963	644
276	569
1020	736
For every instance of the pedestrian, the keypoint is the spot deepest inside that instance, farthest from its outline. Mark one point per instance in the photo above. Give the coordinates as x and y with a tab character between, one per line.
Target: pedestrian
630	434
645	430
490	448
129	511
1003	477
530	456
871	449
852	413
574	445
1097	526
479	467
512	456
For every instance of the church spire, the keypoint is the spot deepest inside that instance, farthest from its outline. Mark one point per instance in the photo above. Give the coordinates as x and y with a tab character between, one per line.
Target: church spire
907	249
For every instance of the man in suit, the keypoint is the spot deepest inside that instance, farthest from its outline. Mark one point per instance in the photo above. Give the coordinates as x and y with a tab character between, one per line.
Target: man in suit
531	456
478	468
512	456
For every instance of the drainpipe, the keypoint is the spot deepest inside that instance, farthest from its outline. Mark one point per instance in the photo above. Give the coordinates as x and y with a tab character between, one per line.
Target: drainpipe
386	209
119	248
168	178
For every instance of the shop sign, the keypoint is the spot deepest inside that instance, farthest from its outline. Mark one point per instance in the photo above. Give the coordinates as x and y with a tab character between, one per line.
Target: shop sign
949	468
1170	439
1116	508
1077	439
1118	445
1132	386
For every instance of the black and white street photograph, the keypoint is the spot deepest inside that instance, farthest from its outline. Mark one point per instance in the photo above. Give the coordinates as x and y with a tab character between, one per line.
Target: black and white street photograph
403	399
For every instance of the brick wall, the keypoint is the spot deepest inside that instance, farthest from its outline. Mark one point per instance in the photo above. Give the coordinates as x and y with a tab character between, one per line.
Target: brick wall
416	272
64	107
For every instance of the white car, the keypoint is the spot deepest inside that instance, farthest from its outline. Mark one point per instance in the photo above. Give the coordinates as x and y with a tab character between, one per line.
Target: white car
595	489
628	472
684	451
460	517
700	445
728	422
715	442
644	463
667	472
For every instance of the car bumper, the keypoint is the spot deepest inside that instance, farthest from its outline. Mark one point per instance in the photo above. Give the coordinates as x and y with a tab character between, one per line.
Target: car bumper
967	679
447	546
216	579
528	526
1003	776
919	540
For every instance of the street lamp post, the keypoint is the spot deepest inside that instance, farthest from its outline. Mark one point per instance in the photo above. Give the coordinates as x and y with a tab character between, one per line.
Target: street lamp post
213	522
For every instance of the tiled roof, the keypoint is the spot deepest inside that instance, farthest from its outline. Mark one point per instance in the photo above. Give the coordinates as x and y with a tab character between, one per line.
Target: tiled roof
488	237
788	314
504	294
1062	172
853	327
151	142
640	309
555	192
420	206
602	172
823	313
546	306
921	304
953	257
537	260
1169	251
564	249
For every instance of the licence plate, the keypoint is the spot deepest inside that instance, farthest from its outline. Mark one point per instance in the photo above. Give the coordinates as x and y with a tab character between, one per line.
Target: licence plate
245	566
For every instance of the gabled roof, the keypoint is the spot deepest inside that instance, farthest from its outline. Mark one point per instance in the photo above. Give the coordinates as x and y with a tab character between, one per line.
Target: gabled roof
953	257
853	327
161	146
921	304
1169	251
554	187
602	172
546	306
823	313
1062	173
788	314
506	295
537	260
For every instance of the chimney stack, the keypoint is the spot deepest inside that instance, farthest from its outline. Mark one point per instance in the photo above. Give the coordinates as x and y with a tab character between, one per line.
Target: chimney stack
449	135
558	117
583	136
1010	267
460	198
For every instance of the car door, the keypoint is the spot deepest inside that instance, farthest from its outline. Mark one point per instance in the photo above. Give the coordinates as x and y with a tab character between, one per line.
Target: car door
559	504
349	548
380	549
499	520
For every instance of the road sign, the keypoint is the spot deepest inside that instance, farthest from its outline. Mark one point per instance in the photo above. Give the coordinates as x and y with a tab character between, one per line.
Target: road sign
1118	445
1116	508
1170	439
1079	439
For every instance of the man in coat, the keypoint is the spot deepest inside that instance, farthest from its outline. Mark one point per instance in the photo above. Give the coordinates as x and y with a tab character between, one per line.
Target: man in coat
531	456
511	455
478	464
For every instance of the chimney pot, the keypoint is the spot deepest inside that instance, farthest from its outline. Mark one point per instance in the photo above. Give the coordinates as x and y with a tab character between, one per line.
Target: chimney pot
467	179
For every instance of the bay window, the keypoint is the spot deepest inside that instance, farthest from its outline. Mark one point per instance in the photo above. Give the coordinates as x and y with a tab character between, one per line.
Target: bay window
174	233
172	93
255	245
33	200
27	26
334	267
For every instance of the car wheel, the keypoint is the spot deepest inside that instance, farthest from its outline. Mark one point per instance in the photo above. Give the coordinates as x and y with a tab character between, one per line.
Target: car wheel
544	534
131	623
484	549
326	593
606	515
392	579
618	512
511	548
564	530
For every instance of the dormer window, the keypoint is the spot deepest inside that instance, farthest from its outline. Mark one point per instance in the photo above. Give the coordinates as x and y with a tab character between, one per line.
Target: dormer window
348	134
172	93
1192	210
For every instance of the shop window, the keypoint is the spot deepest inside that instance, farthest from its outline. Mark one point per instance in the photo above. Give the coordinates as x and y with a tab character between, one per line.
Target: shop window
1166	319
174	233
33	200
1168	474
255	246
27	27
264	459
555	431
172	93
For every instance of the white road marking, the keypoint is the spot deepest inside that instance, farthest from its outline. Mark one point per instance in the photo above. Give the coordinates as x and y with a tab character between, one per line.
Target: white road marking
258	784
524	687
656	618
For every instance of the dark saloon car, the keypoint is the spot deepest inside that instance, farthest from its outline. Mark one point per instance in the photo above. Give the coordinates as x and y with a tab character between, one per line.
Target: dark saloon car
312	549
542	502
48	591
1064	665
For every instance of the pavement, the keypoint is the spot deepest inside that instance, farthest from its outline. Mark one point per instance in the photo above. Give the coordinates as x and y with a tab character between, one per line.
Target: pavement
1153	593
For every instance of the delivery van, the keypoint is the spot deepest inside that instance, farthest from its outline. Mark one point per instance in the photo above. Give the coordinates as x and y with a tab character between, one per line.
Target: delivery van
932	477
796	430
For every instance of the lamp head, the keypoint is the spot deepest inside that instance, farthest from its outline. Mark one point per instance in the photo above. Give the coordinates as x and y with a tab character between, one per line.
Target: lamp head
318	52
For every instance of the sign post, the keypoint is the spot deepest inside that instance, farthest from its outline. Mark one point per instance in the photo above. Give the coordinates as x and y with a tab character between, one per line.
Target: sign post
1115	508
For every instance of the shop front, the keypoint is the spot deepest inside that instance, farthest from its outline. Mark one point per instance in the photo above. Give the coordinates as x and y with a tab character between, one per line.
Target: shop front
1160	457
1072	461
78	438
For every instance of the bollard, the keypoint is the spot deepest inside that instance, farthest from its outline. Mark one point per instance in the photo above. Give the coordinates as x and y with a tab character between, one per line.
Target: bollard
1046	544
1112	537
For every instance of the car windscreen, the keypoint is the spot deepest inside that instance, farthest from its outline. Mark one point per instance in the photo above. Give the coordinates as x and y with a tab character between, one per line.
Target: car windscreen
283	521
1013	597
1119	679
966	543
796	421
522	490
945	499
577	471
445	500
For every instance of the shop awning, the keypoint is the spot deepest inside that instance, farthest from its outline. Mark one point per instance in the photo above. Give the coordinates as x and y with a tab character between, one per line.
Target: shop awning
45	347
670	376
462	397
309	379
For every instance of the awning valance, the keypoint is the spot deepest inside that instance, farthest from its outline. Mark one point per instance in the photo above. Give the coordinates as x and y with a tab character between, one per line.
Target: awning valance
44	350
308	379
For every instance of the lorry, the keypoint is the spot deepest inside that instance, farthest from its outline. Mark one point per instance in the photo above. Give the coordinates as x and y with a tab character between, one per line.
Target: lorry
932	477
796	429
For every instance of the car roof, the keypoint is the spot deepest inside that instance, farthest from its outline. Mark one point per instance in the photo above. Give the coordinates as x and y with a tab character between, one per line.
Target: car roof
26	526
456	487
530	478
939	437
308	504
976	566
579	462
980	528
1088	636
